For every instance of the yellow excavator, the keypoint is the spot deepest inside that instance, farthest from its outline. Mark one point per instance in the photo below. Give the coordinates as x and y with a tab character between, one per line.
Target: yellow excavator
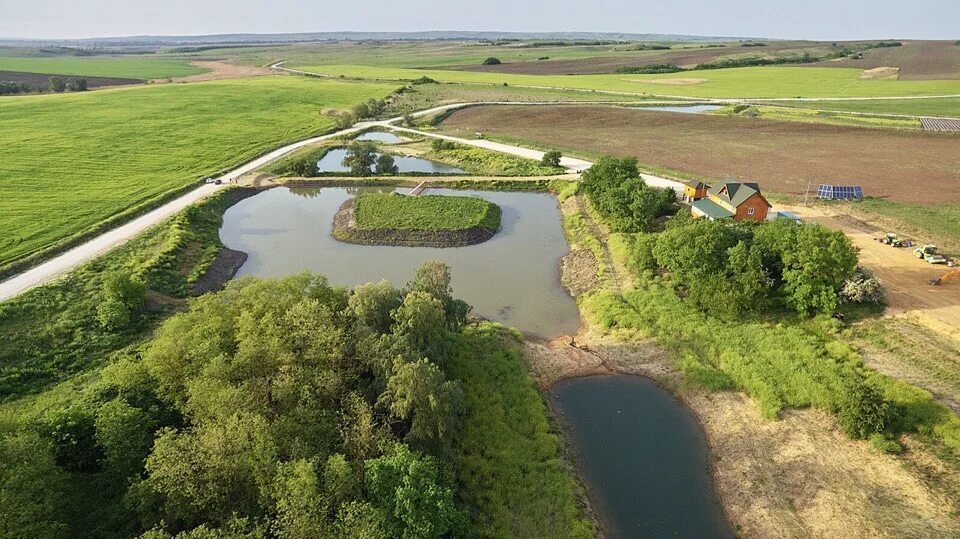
946	278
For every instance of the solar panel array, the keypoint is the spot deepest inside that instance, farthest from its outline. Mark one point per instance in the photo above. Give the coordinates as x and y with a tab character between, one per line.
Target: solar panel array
840	192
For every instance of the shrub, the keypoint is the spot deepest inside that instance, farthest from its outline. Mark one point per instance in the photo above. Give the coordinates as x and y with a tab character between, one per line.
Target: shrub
123	299
650	69
860	407
439	145
57	85
885	443
491	61
77	85
424	80
551	159
863	287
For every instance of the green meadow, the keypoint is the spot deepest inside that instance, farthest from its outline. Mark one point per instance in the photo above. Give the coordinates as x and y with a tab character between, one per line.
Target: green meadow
134	67
71	164
773	82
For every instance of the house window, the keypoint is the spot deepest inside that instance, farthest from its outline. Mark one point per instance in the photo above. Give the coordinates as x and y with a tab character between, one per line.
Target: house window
750	211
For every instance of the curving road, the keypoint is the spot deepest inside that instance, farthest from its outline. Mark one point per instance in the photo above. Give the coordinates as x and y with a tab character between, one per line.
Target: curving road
74	257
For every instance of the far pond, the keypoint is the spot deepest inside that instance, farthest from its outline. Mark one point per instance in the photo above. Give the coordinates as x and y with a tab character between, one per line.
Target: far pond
380	136
688	109
512	278
333	162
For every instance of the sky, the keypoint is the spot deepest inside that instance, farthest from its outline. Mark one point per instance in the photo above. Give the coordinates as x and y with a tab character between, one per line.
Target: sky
811	19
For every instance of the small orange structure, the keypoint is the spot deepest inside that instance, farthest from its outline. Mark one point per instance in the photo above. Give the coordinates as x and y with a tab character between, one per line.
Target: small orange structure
733	200
694	191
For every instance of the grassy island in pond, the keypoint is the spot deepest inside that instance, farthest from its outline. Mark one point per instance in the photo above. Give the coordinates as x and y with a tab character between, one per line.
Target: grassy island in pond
422	221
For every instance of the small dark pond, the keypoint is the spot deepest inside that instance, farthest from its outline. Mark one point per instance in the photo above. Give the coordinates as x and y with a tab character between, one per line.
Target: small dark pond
689	109
380	136
512	278
333	162
644	458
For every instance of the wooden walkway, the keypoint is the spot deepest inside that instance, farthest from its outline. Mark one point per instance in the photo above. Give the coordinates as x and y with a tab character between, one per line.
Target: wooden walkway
419	189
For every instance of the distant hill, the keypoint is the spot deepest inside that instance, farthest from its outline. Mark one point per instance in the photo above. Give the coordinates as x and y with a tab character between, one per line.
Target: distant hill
360	36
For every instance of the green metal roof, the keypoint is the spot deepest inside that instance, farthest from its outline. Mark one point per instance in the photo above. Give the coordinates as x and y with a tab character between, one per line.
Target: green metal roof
737	192
711	209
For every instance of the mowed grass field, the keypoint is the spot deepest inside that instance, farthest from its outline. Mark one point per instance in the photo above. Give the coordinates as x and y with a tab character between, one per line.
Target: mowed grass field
901	165
132	67
752	82
71	163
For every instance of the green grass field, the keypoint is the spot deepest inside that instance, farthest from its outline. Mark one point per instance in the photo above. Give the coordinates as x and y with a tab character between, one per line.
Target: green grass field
125	67
758	82
69	164
794	114
947	106
393	212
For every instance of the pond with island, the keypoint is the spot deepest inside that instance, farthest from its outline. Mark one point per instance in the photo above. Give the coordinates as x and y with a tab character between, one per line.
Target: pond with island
643	455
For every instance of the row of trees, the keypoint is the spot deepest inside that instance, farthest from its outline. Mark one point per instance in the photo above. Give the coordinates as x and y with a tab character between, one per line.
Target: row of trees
628	204
58	85
284	408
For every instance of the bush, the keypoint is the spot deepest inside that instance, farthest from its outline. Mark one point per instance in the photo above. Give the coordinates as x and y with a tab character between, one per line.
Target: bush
123	300
57	85
77	85
424	80
860	407
863	287
650	69
491	61
551	159
615	189
885	443
439	145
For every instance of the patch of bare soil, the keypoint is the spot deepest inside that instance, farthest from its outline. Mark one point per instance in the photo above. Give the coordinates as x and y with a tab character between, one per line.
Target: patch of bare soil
880	73
671	82
221	70
916	59
907	279
578	271
799	476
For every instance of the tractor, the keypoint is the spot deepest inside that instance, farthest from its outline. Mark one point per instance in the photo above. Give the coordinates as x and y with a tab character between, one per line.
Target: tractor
893	240
929	254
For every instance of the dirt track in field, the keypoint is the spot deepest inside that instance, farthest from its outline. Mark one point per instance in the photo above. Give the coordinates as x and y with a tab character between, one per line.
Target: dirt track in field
917	60
906	278
783	157
222	70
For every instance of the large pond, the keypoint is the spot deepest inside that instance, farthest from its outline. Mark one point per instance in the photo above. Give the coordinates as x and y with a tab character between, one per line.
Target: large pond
644	458
689	109
512	278
333	162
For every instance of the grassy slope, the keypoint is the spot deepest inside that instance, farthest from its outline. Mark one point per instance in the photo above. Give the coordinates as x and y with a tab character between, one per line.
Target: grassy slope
507	460
793	114
68	163
134	67
389	211
50	333
739	82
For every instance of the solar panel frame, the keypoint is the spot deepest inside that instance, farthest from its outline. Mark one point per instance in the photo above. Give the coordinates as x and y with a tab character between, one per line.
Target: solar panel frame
839	192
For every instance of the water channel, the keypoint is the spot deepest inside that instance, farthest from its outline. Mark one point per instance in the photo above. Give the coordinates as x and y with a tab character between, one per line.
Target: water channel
512	278
688	109
643	457
333	162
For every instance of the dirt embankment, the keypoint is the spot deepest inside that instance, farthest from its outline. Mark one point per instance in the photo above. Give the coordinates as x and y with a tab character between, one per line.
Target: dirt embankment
798	476
784	157
345	229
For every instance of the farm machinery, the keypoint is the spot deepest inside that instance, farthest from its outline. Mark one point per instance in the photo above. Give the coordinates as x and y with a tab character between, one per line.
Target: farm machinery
893	240
946	278
929	254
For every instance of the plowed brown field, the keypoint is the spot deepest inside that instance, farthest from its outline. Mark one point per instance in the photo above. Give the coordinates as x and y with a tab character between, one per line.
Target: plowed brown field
783	157
917	60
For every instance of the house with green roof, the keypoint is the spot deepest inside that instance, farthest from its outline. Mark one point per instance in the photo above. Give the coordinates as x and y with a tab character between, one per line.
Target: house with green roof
739	201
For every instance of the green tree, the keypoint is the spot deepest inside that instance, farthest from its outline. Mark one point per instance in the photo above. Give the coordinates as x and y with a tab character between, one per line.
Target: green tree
408	487
420	394
76	85
491	61
57	85
123	298
433	277
72	433
360	157
551	159
372	304
29	488
386	164
815	268
300	504
125	435
420	323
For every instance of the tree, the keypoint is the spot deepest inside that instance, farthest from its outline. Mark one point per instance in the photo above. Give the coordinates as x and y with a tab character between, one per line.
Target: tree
815	268
420	323
125	435
433	277
72	433
57	85
299	501
615	189
360	157
386	165
420	394
123	297
345	120
29	487
551	159
408	487
491	61
372	304
76	85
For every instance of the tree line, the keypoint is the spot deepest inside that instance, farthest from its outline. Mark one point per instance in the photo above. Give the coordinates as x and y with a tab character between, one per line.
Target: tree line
283	408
